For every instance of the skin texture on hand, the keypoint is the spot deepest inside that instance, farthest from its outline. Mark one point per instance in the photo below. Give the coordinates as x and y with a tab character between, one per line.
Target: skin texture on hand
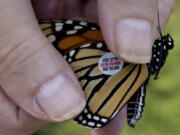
36	84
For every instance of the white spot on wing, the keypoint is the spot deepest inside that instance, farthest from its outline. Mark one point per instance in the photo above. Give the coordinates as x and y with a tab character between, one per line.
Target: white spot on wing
80	118
84	122
77	27
72	53
99	45
69	60
85	111
91	124
96	118
87	45
99	125
89	116
104	120
52	38
59	24
93	28
58	28
69	22
83	23
70	32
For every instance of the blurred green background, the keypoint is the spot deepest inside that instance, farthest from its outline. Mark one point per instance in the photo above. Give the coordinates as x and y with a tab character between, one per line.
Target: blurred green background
162	109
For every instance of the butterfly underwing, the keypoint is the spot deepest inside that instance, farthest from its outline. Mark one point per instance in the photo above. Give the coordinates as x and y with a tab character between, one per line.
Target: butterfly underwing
107	81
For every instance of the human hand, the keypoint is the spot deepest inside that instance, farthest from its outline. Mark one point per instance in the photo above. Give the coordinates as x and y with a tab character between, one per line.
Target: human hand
36	84
24	68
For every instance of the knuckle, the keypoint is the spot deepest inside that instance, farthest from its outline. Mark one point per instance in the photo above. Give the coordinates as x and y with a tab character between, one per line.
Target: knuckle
13	56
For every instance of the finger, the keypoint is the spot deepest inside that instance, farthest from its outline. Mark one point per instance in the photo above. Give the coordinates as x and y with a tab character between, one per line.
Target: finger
127	27
15	121
166	8
32	73
49	9
55	9
115	126
27	123
8	112
58	9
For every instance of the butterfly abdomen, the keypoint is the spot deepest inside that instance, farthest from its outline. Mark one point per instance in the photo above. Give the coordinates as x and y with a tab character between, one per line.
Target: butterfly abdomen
136	106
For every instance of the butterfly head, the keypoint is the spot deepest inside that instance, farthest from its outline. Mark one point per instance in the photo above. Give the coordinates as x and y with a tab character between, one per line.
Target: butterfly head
168	41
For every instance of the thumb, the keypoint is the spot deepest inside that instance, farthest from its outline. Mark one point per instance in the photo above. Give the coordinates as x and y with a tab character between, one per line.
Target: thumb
127	26
32	73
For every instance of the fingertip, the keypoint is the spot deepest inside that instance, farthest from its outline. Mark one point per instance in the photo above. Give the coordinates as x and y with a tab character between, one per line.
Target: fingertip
133	40
60	98
129	33
134	59
33	73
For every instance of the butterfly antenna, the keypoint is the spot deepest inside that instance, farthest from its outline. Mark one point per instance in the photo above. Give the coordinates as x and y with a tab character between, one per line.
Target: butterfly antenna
159	25
161	48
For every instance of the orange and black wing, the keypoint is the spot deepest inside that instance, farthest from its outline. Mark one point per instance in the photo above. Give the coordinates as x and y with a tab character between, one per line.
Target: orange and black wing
82	45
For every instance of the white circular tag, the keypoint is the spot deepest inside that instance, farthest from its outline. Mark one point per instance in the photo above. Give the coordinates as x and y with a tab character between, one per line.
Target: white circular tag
110	64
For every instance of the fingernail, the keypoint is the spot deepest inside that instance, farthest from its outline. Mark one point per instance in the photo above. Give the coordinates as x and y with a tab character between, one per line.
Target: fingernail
134	40
60	98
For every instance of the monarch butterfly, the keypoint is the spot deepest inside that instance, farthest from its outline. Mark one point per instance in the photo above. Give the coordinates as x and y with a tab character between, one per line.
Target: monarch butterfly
108	82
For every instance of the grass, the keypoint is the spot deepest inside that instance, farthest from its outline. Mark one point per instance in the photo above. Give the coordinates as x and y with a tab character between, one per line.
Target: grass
161	115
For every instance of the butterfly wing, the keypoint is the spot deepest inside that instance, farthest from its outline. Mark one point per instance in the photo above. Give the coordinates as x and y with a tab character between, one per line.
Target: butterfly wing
82	46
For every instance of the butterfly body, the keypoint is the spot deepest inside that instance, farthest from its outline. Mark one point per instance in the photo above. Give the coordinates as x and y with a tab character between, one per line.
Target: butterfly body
106	91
